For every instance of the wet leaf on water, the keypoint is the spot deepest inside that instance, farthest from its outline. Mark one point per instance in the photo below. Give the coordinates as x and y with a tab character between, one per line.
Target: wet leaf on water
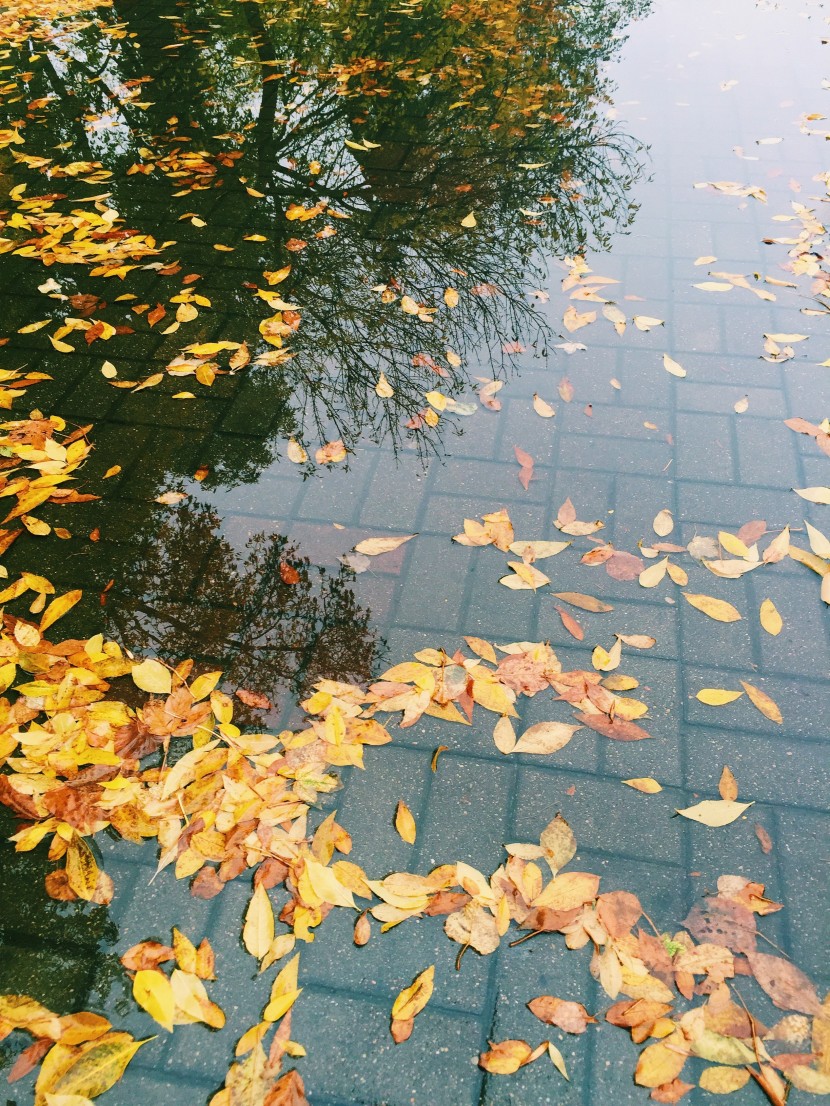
645	784
766	705
715	812
718	609
405	823
717	696
374	547
770	619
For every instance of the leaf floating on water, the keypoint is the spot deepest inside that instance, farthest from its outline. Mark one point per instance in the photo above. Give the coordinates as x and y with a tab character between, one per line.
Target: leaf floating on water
770	618
723	1080
153	676
541	407
409	1003
728	785
646	784
504	736
405	823
153	993
584	602
715	812
545	737
663	523
767	706
506	1057
258	931
94	1068
717	697
469	220
383	388
718	609
672	366
374	547
650	577
814	495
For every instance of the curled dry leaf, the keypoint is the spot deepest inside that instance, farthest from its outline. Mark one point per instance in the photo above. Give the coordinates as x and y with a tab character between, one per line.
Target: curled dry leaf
506	1057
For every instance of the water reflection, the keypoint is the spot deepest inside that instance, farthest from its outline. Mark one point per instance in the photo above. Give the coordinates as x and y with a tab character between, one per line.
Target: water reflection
384	128
273	622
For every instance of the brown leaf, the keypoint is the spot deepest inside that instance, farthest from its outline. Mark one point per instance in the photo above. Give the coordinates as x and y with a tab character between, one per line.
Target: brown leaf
506	1057
584	602
253	699
671	1092
617	730
619	912
764	838
571	1017
787	986
728	785
571	624
289	1090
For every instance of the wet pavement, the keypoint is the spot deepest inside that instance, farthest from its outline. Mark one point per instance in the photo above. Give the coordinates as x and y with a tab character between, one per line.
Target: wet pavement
648	101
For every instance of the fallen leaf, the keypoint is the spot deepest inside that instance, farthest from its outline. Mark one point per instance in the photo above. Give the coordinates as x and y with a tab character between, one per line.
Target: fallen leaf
767	706
718	609
717	696
405	823
645	784
770	618
714	812
374	547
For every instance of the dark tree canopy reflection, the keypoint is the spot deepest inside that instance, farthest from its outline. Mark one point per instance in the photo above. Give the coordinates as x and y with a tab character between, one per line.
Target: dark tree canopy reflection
383	128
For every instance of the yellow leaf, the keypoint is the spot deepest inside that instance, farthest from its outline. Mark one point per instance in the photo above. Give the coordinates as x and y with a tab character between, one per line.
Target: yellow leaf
717	696
645	784
383	388
153	993
770	618
81	870
411	1000
469	220
818	542
504	735
663	523
296	454
715	812
718	609
767	706
542	408
814	495
284	991
94	1068
733	544
374	547
670	365
258	931
61	347
152	676
724	1080
450	297
405	823
558	1060
650	577
660	1063
58	608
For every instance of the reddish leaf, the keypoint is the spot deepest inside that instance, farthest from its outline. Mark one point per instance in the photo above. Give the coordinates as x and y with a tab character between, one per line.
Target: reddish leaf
787	986
617	730
253	699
